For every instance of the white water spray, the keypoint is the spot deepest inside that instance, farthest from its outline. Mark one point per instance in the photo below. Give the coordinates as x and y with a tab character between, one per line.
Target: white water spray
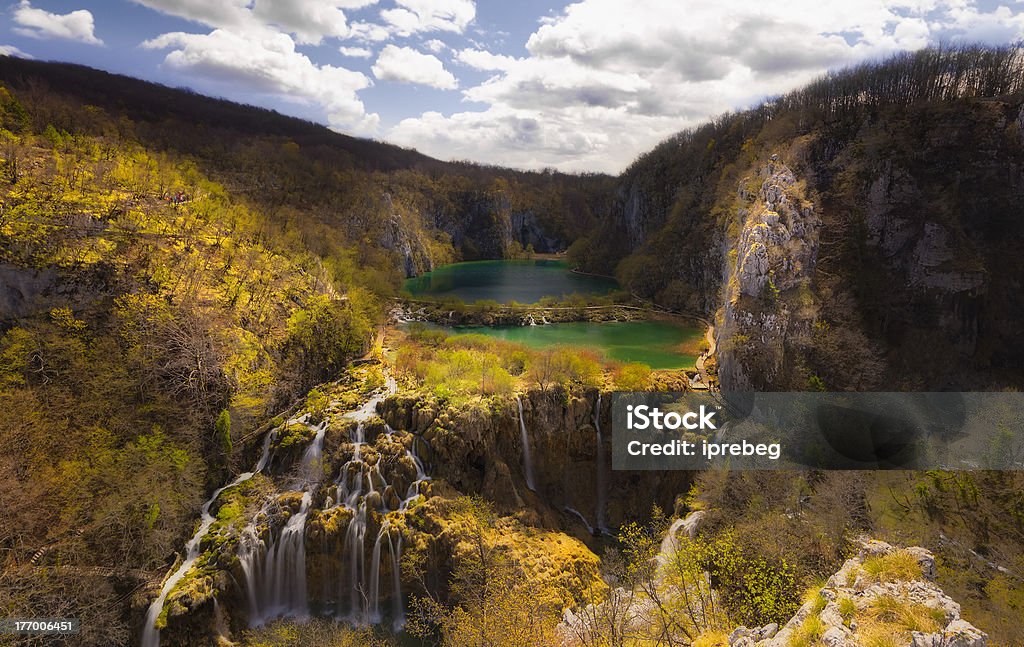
602	488
527	459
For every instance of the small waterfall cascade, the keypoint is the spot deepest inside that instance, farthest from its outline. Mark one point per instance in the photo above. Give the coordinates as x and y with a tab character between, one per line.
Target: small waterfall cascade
276	577
275	567
602	487
150	634
361	489
527	457
670	542
579	515
275	574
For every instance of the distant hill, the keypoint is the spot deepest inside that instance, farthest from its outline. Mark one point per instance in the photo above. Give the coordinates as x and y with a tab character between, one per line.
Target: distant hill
153	103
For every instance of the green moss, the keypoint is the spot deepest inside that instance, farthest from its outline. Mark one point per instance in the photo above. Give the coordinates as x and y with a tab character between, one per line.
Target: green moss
293	435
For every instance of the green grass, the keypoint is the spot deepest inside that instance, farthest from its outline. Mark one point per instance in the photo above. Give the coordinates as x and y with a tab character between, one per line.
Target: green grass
808	633
898	566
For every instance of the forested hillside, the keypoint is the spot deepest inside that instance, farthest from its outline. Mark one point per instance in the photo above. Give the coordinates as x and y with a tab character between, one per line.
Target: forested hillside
175	271
906	180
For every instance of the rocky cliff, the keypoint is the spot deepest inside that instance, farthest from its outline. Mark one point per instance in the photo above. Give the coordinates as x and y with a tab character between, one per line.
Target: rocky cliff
901	274
342	493
470	225
769	302
480	450
881	594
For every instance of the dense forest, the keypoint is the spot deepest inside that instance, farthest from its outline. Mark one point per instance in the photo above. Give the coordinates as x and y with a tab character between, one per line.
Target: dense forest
186	282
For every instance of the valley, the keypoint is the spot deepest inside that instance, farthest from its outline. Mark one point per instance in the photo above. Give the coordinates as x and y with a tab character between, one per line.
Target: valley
347	394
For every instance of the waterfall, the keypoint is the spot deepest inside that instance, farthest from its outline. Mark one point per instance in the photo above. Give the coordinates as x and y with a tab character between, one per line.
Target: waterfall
602	489
670	543
311	469
150	634
397	611
358	594
527	460
275	574
276	577
355	544
579	515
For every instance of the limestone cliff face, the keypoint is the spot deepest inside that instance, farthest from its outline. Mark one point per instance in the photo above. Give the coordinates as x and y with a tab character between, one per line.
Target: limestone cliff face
528	231
902	274
928	256
478	225
481	451
402	236
769	304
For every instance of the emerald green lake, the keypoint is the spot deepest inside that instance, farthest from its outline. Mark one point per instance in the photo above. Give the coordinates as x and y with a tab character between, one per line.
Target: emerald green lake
525	281
659	344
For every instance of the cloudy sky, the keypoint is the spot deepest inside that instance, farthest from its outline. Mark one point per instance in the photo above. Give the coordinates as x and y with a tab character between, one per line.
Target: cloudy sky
581	86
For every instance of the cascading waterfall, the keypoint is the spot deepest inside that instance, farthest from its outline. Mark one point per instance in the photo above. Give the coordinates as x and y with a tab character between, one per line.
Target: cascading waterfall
358	597
397	610
602	489
360	488
579	515
527	459
274	564
275	575
150	634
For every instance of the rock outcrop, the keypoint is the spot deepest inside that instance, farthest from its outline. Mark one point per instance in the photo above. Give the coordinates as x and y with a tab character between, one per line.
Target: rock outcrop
882	593
406	239
769	307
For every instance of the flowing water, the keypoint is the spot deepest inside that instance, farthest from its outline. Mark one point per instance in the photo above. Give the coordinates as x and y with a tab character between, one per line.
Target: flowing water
527	458
275	569
150	634
602	488
522	281
274	563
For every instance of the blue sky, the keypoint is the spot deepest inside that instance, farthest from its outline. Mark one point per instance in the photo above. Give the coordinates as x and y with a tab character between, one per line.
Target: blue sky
582	86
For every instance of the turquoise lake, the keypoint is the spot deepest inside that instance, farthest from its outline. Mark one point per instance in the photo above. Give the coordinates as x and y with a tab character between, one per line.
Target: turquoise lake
525	281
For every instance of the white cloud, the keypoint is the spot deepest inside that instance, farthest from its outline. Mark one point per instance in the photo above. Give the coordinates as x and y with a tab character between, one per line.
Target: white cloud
356	52
368	32
37	23
270	64
606	80
481	60
438	46
406	65
309	21
412	16
11	50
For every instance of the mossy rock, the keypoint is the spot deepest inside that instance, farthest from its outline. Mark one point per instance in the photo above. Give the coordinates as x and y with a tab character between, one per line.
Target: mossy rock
292	436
